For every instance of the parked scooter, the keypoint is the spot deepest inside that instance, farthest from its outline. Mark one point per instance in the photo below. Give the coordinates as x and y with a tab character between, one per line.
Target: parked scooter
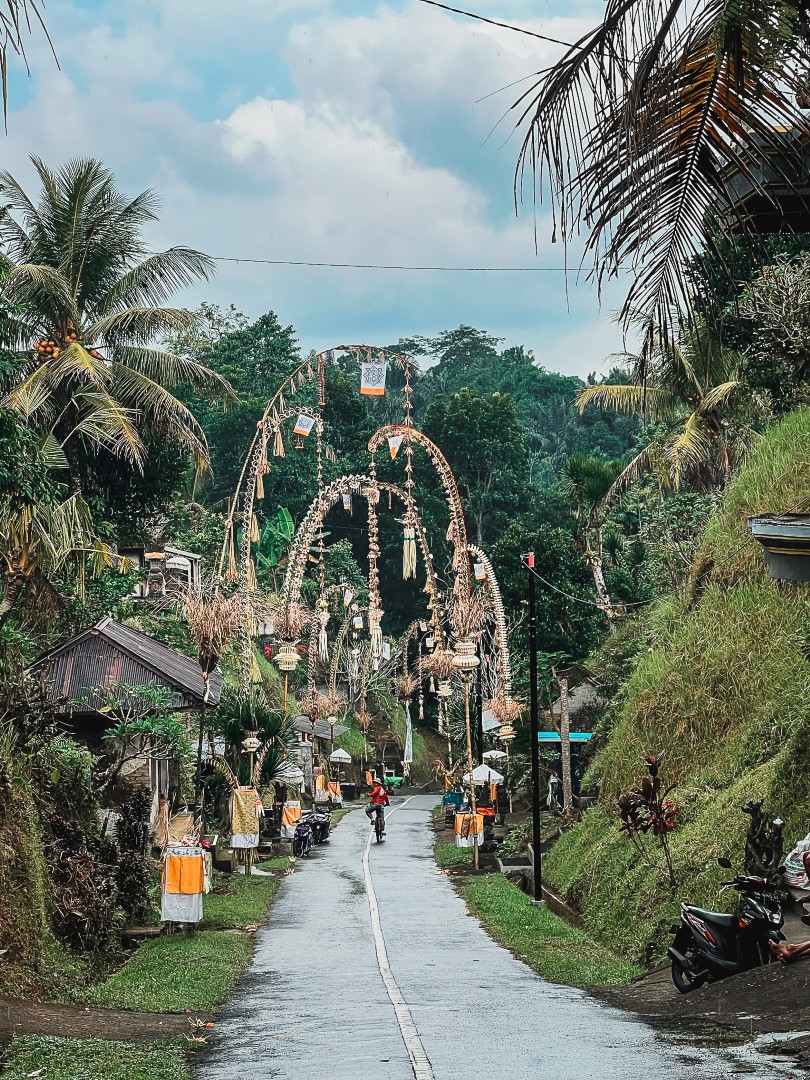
302	838
709	945
320	821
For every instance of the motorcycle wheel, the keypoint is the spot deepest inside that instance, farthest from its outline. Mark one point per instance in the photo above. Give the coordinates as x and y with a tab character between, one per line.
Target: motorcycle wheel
296	849
685	980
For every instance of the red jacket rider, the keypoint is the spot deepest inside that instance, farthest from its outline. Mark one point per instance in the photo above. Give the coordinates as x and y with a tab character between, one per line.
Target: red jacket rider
379	800
379	796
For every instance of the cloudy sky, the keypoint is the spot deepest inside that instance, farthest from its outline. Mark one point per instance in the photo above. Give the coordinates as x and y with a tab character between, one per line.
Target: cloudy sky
326	131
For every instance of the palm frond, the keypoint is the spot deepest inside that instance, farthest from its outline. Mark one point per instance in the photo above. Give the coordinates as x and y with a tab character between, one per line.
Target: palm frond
51	453
172	369
690	448
161	409
720	395
637	127
140	325
635	400
153	281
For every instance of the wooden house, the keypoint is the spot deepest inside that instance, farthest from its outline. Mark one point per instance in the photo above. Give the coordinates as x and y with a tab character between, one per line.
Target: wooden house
77	672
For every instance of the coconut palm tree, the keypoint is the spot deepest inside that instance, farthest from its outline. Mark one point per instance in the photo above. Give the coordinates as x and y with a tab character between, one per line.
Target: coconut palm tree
88	304
586	481
700	410
638	126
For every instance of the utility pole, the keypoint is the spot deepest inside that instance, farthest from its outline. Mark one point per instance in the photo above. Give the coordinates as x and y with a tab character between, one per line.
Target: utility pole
537	876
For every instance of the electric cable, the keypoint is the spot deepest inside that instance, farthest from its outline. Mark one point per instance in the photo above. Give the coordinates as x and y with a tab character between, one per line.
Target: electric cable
397	266
663	596
505	26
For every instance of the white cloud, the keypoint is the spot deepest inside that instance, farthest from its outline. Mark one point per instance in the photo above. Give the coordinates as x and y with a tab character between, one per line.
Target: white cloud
375	157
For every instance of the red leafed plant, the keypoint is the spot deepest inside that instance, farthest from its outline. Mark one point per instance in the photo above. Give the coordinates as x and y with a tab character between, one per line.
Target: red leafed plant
647	810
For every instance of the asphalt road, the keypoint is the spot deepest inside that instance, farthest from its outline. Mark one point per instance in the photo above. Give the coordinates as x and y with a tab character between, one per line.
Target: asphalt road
449	1003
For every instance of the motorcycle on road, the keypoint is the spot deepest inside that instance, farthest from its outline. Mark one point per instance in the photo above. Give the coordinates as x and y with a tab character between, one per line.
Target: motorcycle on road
709	945
302	839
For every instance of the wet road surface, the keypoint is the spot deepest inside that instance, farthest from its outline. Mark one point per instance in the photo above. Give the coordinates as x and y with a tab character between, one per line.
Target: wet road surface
336	993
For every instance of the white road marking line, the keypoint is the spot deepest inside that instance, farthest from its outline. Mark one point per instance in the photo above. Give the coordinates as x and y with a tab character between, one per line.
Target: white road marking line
420	1063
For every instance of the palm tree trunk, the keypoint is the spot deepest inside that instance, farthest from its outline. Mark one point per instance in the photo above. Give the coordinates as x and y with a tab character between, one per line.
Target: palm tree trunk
593	556
565	750
12	587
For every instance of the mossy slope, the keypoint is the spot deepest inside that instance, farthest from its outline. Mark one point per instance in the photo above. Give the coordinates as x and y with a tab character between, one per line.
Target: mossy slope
722	688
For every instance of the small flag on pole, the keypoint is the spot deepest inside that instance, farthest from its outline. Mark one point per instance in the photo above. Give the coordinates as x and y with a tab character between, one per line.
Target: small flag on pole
372	379
386	650
347	502
394	443
357	622
348	596
479	571
304	424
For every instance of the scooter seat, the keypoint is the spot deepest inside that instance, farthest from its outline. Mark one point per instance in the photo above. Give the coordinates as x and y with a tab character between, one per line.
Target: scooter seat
713	916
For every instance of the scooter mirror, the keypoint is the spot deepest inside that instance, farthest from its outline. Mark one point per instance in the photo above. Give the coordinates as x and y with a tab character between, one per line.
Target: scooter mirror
724	862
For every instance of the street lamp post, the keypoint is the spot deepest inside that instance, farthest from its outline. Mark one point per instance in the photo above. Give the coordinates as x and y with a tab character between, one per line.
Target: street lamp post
537	863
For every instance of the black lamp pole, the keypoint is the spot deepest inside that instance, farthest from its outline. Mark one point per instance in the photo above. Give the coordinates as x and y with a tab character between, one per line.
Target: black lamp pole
535	737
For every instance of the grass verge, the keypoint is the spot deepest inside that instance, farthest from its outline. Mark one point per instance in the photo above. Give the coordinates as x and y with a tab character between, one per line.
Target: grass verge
549	945
449	857
339	815
195	971
177	972
88	1059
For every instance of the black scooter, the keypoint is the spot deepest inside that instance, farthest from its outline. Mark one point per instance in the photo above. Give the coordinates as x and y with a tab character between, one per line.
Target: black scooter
320	821
302	838
709	945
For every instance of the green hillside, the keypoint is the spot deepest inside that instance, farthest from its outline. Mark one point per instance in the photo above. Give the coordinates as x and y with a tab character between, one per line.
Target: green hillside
721	685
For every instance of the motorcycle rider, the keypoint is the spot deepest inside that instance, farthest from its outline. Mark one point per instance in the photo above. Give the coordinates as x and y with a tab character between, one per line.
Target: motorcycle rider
379	800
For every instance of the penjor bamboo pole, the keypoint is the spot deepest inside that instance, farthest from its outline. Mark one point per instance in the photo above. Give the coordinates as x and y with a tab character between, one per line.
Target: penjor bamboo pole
470	766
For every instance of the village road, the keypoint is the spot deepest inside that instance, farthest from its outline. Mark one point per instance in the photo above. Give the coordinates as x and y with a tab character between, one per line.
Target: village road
315	1006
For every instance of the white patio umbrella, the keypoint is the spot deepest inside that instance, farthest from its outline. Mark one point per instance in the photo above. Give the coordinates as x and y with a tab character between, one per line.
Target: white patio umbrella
483	774
494	755
340	757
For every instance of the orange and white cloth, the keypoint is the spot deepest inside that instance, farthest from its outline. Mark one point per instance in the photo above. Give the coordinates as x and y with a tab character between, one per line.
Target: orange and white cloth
469	830
335	794
182	885
290	816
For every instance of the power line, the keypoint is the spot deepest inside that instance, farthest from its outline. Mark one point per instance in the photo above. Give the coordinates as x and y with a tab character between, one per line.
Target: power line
397	266
663	596
494	22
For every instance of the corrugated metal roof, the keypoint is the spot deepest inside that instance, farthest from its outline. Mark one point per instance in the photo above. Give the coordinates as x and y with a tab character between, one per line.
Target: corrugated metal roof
110	652
322	729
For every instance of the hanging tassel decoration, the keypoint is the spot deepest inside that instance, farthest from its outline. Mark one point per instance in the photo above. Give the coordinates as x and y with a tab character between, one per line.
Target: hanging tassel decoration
409	553
323	640
451	532
255	535
278	444
251	576
233	571
259	485
281	405
255	670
